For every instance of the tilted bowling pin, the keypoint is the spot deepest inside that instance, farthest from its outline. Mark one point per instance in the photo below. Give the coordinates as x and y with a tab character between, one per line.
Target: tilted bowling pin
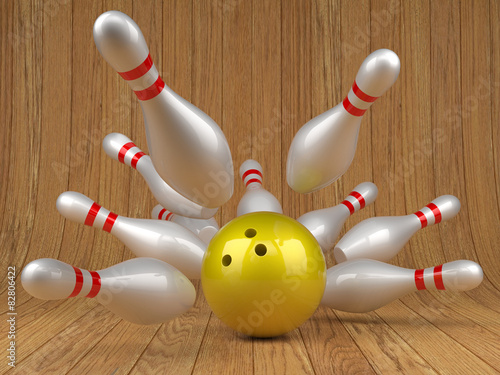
256	198
167	241
381	238
364	285
142	290
323	149
121	148
188	149
204	229
326	224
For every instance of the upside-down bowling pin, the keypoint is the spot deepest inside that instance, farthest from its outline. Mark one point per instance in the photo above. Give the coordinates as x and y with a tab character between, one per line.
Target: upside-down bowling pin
163	240
323	149
188	149
381	238
142	290
205	229
256	198
121	148
326	224
364	285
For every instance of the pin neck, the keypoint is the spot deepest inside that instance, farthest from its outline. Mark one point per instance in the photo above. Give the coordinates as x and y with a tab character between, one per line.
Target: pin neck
430	213
357	98
135	157
142	72
92	215
252	177
354	202
79	281
164	211
429	277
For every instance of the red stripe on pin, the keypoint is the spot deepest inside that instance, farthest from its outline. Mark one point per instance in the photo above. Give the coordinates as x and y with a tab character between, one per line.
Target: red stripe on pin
89	220
123	151
249	172
349	206
136	159
438	277
359	197
352	109
253	180
78	282
435	210
151	91
96	284
110	221
360	94
422	218
169	216
160	214
139	71
419	279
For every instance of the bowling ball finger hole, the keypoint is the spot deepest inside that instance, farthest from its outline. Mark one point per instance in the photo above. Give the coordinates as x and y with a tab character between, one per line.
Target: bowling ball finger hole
260	249
249	233
226	260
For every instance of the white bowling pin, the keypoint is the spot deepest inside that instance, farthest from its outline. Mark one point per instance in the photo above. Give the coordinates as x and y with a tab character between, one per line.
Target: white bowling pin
188	149
323	149
121	148
381	238
364	285
204	229
256	198
169	242
141	290
326	224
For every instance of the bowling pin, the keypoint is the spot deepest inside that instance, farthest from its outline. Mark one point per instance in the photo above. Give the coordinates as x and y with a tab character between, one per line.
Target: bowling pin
204	229
323	149
166	241
326	224
141	290
381	238
188	149
364	285
256	198
121	148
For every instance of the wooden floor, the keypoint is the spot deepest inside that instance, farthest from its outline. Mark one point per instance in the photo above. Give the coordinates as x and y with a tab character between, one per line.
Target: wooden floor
261	69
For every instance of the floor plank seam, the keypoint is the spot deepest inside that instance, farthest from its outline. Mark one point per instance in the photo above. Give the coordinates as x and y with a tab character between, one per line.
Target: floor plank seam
202	341
145	348
53	336
443	332
102	338
355	342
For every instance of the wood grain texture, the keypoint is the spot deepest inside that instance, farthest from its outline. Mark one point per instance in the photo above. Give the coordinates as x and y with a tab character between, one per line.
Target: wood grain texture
261	69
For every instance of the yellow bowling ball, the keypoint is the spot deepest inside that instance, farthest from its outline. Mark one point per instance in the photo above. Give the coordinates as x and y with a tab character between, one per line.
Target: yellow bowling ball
263	274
